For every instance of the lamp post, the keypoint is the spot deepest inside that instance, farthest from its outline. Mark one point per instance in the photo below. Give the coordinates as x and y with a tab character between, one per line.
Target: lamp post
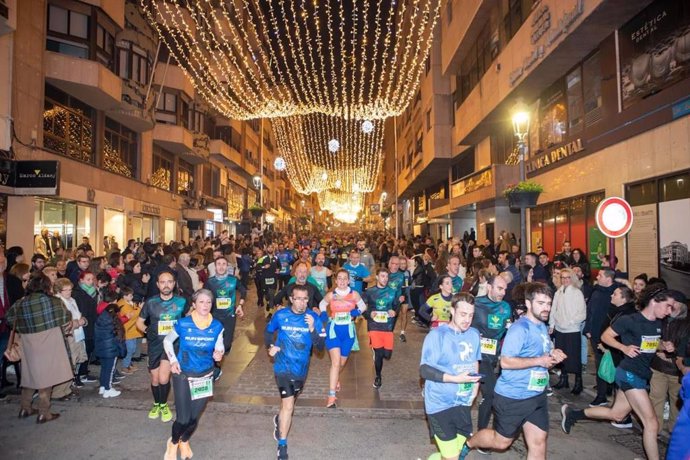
258	183
521	130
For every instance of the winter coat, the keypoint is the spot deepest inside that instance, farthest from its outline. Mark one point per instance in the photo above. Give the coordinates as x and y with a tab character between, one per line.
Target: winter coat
107	345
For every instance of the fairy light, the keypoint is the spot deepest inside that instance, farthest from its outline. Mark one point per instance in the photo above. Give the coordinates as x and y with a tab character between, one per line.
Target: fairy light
279	164
333	145
265	59
367	127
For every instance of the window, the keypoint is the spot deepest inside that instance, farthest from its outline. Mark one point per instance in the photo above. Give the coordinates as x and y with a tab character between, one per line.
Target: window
185	178
591	72
68	125
105	43
211	186
162	168
573	82
120	149
172	109
68	32
428	119
133	63
464	166
553	116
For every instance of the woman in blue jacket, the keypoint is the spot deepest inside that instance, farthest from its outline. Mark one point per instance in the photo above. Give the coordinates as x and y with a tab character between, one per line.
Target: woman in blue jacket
109	345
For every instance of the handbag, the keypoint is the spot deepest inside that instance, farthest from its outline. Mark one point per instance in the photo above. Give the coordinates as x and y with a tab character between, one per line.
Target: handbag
13	353
607	370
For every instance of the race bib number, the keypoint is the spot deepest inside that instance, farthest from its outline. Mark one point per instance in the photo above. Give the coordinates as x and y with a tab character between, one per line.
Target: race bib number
201	387
342	318
269	281
165	327
489	346
538	380
650	343
464	389
380	317
223	303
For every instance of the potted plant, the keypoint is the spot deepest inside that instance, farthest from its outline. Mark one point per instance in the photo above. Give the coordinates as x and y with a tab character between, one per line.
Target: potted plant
524	194
256	210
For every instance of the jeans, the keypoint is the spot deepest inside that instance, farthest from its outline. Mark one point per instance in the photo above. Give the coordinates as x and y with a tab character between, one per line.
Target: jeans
4	340
131	345
584	351
107	371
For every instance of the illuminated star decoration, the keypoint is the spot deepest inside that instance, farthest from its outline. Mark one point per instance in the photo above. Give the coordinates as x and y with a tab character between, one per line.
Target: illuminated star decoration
352	59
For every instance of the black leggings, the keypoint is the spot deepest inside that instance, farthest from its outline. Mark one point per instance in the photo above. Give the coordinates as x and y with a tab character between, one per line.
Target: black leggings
488	383
379	355
187	410
228	322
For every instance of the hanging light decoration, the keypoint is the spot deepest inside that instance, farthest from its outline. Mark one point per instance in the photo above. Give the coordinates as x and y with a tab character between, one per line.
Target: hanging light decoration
275	58
303	140
367	126
333	145
338	202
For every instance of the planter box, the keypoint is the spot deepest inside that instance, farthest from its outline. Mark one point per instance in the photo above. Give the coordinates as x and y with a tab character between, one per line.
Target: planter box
256	212
522	200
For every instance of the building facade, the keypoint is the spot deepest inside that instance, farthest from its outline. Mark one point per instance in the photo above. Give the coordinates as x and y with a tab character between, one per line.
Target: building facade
90	85
606	86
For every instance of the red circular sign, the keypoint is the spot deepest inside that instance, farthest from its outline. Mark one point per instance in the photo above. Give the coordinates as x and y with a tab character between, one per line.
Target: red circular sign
614	217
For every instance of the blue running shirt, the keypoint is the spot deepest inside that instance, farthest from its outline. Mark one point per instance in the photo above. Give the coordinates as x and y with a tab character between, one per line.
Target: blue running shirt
295	341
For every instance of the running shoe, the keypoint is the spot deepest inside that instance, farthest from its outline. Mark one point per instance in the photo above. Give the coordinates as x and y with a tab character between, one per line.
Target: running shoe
599	402
403	338
276	429
282	452
626	423
111	393
330	404
88	379
377	382
166	413
77	383
566	421
101	390
155	411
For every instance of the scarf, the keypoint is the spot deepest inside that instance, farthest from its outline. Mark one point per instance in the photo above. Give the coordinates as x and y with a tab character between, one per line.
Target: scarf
90	290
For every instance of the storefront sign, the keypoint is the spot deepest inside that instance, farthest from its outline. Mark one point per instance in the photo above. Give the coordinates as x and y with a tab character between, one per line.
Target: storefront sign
471	184
150	209
29	177
541	25
555	155
654	48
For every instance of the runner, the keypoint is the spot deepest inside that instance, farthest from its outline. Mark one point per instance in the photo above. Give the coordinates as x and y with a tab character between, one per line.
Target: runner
300	279
398	281
453	270
298	330
320	273
382	308
359	273
436	309
520	402
226	308
344	303
267	267
449	365
406	293
491	317
201	343
161	313
640	338
285	258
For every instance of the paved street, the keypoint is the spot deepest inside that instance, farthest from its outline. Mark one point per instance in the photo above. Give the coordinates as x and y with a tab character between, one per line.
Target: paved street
370	424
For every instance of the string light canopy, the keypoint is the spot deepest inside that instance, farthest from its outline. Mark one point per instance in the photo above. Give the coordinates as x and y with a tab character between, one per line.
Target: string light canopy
344	206
250	59
305	142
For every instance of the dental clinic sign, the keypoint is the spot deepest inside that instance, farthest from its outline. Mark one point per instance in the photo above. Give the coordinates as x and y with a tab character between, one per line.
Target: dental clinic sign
29	177
541	27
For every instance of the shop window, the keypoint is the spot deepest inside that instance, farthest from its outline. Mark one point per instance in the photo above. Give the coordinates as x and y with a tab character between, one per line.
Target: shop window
120	150
68	221
578	223
162	169
185	178
68	125
536	230
562	223
675	187
643	193
549	226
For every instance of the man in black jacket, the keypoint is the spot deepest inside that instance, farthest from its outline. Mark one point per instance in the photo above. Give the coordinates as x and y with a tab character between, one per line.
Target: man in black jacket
597	311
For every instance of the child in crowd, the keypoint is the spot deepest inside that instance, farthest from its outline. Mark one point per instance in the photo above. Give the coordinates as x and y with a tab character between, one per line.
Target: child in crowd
109	345
129	312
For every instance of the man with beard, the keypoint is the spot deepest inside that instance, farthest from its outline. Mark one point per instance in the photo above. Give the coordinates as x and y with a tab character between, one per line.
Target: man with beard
161	312
300	279
359	273
320	273
520	402
366	258
226	307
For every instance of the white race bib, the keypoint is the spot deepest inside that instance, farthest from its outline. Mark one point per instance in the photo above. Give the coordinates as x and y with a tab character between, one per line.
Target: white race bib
380	316
165	327
538	380
342	318
489	346
201	387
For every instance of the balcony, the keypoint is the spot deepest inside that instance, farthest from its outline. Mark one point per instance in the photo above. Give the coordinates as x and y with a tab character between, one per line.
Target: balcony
438	208
483	185
89	81
173	138
225	154
174	78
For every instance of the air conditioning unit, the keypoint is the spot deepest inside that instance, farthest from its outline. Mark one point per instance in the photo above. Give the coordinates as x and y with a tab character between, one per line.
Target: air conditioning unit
8	16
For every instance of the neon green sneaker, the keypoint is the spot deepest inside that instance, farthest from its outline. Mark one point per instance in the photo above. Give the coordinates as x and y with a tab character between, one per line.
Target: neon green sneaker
155	412
166	413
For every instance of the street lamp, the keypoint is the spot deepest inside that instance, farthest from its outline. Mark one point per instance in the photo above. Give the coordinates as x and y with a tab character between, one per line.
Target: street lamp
256	180
384	195
521	130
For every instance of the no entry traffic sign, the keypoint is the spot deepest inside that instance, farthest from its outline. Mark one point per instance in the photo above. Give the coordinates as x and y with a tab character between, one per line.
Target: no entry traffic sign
614	217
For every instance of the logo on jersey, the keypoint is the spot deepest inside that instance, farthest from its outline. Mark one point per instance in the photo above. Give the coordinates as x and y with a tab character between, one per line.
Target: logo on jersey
494	322
466	351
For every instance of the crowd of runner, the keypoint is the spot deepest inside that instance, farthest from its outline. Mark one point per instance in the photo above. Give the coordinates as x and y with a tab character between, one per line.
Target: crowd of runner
500	327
